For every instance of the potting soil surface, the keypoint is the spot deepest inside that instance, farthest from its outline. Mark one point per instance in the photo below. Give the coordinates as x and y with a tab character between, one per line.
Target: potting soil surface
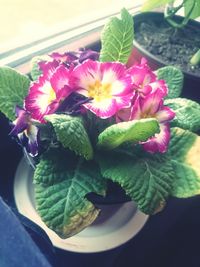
173	46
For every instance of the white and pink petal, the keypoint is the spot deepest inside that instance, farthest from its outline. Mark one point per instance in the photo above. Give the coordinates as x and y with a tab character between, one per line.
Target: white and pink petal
48	67
60	78
141	74
86	74
161	86
112	71
136	112
158	143
103	109
151	103
165	114
38	99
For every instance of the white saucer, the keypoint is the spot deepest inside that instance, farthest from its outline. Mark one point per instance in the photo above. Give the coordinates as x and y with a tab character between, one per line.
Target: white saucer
123	223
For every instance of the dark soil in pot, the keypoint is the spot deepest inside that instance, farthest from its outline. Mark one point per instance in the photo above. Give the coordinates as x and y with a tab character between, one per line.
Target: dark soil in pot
173	46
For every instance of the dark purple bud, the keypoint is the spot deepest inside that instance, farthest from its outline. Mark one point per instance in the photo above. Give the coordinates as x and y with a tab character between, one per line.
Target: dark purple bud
88	54
22	121
73	104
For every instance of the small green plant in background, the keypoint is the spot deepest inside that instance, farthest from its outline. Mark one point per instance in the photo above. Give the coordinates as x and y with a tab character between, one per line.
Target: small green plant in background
191	11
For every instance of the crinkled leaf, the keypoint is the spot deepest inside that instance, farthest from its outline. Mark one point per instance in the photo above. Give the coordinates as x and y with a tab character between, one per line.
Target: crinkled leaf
174	79
53	162
187	113
147	180
131	131
13	88
117	38
184	151
61	195
70	131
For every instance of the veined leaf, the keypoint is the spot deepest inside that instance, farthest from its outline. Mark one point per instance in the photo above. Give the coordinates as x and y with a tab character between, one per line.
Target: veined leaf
184	151
61	199
187	113
70	131
13	88
117	38
174	79
53	162
131	131
147	180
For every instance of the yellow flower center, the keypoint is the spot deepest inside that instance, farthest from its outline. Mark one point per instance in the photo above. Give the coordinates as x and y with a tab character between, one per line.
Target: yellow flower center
51	96
99	91
147	115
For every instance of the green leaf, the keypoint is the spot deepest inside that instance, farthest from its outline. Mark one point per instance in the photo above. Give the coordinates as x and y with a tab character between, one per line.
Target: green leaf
184	151
61	195
187	113
147	180
35	71
196	10
131	131
13	89
70	131
174	79
117	38
149	5
53	162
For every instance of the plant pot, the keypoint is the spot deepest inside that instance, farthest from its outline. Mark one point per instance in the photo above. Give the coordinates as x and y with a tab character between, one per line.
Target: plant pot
191	87
116	224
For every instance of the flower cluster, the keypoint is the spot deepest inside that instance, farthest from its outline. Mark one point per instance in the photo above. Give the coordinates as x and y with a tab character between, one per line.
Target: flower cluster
107	89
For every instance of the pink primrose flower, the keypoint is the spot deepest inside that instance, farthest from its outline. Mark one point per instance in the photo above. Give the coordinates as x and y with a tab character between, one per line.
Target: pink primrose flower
107	84
152	107
145	80
142	76
46	94
144	83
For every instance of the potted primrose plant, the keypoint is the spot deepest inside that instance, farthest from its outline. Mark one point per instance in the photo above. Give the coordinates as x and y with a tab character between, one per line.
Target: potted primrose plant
87	118
168	39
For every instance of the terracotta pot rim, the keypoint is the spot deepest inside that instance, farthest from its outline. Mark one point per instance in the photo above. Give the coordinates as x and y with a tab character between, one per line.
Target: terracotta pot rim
160	16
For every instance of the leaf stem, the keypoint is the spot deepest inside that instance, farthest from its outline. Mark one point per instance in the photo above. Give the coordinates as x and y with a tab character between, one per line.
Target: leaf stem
170	11
195	60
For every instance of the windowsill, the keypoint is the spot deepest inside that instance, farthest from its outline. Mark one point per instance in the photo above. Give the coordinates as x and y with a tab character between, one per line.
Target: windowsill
90	40
83	36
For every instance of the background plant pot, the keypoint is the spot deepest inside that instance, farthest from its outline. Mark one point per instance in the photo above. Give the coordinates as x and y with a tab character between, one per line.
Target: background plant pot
191	87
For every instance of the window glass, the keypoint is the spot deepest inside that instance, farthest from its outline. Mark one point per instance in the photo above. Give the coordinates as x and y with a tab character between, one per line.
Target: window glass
25	21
